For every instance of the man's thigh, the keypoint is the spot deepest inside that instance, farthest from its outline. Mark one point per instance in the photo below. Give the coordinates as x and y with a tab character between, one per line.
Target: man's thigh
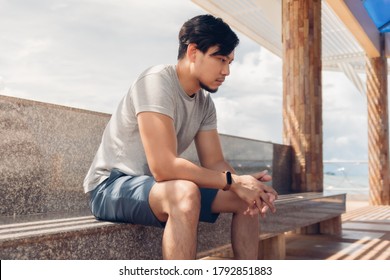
163	194
124	198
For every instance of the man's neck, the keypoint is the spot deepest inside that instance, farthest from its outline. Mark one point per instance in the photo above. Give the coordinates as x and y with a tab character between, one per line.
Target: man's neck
189	84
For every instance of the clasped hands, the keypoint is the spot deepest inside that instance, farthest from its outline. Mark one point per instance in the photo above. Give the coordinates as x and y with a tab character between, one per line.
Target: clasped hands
260	197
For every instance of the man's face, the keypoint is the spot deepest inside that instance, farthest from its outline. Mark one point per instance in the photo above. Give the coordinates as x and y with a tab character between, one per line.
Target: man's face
211	69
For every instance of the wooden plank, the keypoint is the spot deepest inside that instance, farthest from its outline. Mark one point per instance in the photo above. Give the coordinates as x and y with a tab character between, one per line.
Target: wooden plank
367	40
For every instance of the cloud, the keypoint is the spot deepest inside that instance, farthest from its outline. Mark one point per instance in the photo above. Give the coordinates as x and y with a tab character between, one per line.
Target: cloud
86	54
2	84
344	119
249	104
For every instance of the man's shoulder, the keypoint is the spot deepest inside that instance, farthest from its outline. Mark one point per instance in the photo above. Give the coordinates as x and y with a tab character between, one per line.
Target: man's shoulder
162	69
154	81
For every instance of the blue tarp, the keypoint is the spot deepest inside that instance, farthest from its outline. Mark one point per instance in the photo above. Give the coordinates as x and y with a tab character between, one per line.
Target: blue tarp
379	11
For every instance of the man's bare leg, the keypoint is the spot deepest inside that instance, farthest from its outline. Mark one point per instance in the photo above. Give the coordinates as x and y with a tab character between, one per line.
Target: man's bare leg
245	236
244	228
177	203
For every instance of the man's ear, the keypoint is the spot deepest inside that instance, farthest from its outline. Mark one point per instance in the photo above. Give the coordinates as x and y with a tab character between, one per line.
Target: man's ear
191	52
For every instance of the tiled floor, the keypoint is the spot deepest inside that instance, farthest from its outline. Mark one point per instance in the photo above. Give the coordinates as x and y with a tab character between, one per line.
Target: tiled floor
366	235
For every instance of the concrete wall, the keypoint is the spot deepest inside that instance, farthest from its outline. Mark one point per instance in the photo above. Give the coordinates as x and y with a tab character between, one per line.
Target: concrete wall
46	150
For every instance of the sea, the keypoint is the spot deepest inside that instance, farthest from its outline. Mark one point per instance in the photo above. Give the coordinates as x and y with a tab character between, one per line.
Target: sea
347	177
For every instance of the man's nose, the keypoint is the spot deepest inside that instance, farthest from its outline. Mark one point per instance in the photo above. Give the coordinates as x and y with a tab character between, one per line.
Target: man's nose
226	70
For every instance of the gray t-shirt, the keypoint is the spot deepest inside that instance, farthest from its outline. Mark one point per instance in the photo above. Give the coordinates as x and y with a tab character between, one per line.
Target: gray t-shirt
156	90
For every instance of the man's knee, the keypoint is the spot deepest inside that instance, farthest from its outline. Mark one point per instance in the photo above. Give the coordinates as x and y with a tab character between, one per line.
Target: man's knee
175	197
186	198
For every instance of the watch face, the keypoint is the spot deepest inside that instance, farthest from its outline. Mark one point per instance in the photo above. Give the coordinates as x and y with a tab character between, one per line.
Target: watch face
229	178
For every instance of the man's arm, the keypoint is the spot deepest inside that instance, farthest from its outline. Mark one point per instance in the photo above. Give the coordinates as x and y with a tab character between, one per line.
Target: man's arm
210	153
159	141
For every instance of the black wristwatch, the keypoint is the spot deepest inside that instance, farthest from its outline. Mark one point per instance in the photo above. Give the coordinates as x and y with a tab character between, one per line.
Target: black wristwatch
229	180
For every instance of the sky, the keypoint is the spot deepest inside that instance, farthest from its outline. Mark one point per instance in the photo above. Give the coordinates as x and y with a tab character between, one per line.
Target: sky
86	54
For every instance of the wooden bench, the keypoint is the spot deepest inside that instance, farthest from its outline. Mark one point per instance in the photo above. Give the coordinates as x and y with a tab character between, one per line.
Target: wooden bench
46	152
308	213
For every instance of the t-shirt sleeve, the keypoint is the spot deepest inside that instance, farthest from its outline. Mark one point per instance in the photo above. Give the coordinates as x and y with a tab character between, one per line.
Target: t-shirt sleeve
210	118
152	93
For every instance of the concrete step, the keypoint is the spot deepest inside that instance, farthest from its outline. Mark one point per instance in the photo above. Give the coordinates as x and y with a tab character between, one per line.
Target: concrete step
79	236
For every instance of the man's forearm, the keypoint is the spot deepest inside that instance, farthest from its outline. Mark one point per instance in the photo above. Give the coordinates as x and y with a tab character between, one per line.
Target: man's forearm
221	166
182	169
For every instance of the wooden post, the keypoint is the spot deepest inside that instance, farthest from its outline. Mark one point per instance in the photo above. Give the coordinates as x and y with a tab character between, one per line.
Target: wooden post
302	91
273	248
331	226
378	129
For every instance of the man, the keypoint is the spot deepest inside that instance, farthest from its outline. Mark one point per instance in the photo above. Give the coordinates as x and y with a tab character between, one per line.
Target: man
137	175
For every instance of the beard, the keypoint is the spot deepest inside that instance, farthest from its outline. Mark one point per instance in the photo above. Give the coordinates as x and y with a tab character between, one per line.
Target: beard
203	86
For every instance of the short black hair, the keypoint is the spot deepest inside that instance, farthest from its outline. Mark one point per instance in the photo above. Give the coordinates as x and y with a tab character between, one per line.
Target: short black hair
207	31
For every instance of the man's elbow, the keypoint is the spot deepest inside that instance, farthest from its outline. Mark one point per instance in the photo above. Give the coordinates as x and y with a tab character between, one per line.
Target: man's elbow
161	173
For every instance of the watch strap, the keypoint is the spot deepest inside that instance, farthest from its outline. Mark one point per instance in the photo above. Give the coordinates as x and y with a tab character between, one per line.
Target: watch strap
229	180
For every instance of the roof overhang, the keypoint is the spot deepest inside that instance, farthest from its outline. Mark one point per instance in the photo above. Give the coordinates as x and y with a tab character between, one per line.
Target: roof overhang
348	33
357	20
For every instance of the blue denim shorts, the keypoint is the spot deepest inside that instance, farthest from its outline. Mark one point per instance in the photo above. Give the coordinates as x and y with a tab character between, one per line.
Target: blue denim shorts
125	198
